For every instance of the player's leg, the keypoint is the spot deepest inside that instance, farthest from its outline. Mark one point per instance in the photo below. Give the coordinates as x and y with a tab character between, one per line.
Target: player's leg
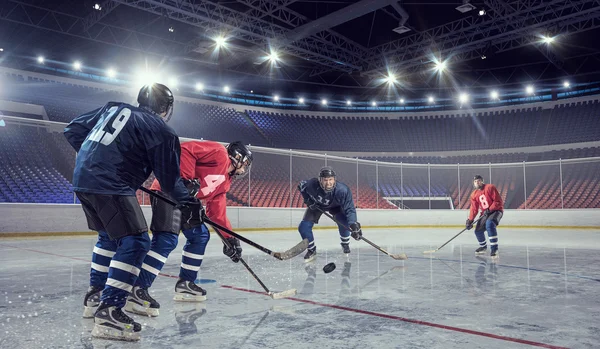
165	225
191	260
344	233
102	254
309	283
124	222
139	300
311	217
480	235
490	225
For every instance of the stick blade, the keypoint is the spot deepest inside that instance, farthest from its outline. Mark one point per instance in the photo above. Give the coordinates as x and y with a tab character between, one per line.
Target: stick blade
400	256
283	294
292	252
429	251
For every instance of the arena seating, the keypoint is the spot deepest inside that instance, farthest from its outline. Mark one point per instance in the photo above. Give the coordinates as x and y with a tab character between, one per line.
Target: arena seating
37	163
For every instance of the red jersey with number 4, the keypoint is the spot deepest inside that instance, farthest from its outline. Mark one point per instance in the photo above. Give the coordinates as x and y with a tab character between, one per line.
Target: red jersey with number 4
209	163
482	199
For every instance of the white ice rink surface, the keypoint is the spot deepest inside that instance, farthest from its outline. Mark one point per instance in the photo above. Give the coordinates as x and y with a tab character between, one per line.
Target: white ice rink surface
541	292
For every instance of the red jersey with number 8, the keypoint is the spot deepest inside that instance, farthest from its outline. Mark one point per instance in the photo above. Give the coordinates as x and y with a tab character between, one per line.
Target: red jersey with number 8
482	199
208	162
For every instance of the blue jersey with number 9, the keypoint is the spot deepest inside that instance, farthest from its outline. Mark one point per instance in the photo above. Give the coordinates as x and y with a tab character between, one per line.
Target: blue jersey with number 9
118	146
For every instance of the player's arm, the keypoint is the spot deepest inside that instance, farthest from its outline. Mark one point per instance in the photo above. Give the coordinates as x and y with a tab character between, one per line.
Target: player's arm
497	203
78	129
216	210
350	212
164	159
303	187
474	208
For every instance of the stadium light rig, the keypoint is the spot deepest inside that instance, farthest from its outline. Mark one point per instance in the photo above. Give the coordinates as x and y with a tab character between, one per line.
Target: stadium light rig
77	65
111	73
547	40
199	86
40	59
494	95
440	66
373	104
529	90
401	100
97	7
348	102
391	79
323	102
276	98
226	89
220	41
273	57
566	84
463	98
173	82
301	100
430	99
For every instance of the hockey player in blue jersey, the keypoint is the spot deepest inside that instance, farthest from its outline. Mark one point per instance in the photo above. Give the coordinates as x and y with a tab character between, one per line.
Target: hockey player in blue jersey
326	194
118	146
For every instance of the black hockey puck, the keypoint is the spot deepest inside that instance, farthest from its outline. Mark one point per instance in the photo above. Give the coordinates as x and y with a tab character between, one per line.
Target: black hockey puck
329	268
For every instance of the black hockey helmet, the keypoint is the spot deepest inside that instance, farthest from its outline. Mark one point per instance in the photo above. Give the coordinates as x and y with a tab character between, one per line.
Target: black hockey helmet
158	98
241	157
326	172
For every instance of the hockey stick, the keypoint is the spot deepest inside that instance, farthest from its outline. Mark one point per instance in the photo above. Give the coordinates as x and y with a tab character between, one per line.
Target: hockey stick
401	256
291	253
454	237
274	295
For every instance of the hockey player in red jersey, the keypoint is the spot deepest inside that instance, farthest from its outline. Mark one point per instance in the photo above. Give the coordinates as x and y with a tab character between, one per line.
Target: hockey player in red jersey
485	198
207	168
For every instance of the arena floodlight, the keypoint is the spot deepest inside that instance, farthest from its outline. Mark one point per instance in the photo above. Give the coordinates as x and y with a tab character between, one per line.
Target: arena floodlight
111	73
391	79
77	65
566	84
463	98
430	99
529	90
401	100
220	41
226	89
199	86
373	104
348	102
273	57
547	40
276	98
173	82
494	95
323	102
301	100
41	59
440	66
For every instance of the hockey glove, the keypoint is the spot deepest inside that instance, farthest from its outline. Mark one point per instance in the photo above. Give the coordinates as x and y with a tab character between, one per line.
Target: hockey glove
302	186
469	224
235	252
355	231
193	186
192	214
310	203
486	212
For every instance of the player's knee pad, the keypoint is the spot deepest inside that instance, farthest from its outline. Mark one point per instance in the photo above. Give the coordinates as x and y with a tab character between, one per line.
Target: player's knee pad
199	234
165	217
164	243
137	242
305	229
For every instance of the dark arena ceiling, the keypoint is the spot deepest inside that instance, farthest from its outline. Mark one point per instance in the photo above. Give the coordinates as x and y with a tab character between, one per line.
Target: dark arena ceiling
329	48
